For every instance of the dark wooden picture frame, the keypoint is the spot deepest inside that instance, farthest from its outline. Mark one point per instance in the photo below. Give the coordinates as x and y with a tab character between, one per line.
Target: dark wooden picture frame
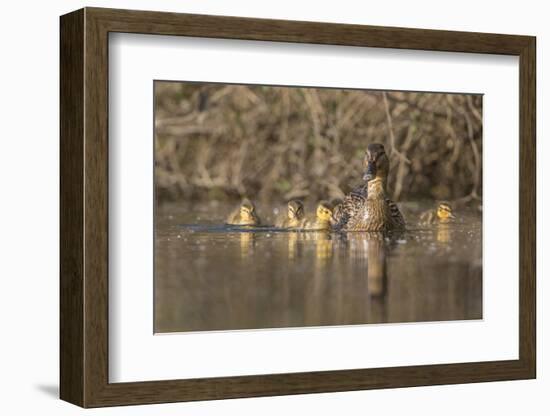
84	207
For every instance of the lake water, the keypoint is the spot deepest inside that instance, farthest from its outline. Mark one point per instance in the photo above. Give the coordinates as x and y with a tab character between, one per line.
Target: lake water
209	276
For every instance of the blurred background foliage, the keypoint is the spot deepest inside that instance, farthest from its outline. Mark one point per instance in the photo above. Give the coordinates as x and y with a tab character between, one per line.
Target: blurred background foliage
224	142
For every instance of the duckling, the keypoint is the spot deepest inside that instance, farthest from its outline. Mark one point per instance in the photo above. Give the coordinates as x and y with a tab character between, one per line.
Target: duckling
443	214
295	215
245	214
323	218
367	207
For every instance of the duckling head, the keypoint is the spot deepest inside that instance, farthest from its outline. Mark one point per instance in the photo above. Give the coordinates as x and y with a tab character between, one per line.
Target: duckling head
248	210
324	211
295	210
376	162
444	211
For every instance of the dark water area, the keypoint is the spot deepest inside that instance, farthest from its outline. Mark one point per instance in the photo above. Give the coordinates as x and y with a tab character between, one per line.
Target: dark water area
209	276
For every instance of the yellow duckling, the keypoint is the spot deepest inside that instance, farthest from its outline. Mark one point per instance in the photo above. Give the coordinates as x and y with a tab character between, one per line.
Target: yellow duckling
245	214
323	218
443	214
295	215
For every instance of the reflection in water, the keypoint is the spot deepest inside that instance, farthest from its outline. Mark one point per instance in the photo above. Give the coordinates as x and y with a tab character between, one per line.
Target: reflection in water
247	244
376	266
293	246
443	233
210	277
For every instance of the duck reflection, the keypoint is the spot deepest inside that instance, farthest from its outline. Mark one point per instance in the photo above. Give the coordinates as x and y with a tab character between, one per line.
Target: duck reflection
322	240
294	248
247	243
323	249
443	233
368	251
377	278
320	284
323	246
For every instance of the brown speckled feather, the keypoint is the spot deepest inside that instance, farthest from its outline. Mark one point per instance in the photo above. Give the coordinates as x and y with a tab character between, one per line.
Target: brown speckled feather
396	217
351	205
358	213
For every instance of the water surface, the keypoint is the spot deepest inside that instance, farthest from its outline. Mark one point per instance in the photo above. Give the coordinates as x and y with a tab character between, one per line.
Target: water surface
209	276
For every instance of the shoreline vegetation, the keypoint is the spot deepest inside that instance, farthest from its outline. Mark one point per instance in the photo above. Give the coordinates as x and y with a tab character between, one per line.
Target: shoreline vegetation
220	142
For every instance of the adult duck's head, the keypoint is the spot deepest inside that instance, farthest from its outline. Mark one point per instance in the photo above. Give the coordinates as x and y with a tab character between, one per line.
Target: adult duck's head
295	210
376	162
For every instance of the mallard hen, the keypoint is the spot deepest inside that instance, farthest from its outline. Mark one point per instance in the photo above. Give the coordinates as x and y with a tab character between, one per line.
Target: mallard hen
367	207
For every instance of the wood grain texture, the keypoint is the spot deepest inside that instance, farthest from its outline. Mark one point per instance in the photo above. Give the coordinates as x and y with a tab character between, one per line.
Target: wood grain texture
225	27
71	212
84	207
96	219
527	208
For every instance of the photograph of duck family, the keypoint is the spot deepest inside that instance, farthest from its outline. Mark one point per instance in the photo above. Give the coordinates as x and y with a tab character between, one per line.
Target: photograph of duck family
285	206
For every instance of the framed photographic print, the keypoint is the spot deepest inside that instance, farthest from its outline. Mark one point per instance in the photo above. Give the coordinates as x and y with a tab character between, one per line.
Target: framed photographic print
256	207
